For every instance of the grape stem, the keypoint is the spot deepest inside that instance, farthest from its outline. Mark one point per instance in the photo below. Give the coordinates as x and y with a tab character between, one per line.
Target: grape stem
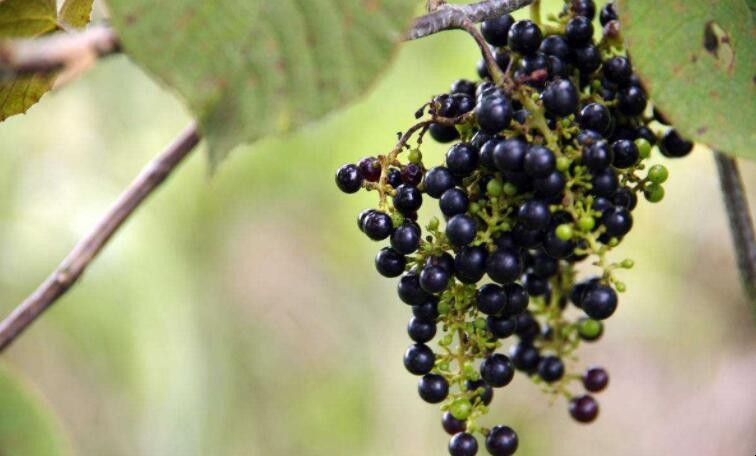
447	16
741	224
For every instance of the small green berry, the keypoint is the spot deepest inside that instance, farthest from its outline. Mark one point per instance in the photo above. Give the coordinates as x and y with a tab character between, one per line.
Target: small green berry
494	188
470	372
564	232
563	163
586	223
480	323
627	263
397	219
443	307
461	408
644	147
474	207
654	193
589	328
446	340
658	174
433	224
620	286
444	366
415	156
509	189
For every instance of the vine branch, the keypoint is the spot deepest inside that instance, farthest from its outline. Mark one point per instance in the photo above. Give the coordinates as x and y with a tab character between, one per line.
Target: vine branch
57	51
447	16
741	224
73	266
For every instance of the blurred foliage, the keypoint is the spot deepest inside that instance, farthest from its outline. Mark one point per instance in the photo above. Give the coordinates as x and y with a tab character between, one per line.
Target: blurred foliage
26	426
698	62
28	19
242	314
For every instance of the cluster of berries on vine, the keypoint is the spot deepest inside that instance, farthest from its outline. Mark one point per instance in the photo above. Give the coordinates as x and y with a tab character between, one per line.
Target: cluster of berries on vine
548	159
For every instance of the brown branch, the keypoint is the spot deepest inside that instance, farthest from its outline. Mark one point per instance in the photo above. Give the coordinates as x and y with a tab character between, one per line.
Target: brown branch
451	16
57	51
741	224
74	265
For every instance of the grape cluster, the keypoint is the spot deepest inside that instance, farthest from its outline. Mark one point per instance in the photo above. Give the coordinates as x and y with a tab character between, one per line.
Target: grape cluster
549	158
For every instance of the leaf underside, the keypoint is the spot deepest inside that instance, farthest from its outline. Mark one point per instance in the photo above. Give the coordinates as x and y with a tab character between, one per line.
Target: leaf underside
697	59
29	19
249	68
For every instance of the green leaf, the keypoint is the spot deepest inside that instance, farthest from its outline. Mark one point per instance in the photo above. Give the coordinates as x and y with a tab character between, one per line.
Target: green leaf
697	59
26	426
76	13
28	19
249	68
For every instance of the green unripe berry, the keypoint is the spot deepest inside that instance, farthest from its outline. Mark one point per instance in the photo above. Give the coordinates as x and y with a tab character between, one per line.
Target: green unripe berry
433	224
443	307
620	286
586	223
589	328
461	408
444	366
474	207
470	372
415	156
480	323
658	174
627	263
397	219
564	232
654	193
644	147
446	340
494	188
563	163
509	189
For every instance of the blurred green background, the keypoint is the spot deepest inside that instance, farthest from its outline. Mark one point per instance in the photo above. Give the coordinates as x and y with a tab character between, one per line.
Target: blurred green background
240	314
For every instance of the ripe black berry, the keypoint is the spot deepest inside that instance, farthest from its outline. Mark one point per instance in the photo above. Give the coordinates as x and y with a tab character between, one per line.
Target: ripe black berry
501	441
433	388
470	263
428	310
673	145
587	58
584	409
463	444
443	133
493	113
497	370
504	266
411	174
406	238
490	299
604	183
495	30
525	357
370	168
453	201
462	159
625	153
618	70
501	327
632	101
534	214
595	116
524	37
420	330
389	262
394	177
560	97
437	180
485	396
599	302
550	369
509	154
595	379
460	230
377	225
409	289
618	221
551	185
539	161
608	13
625	198
579	31
452	425
349	178
434	279
407	199
419	359
556	45
598	156
517	298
